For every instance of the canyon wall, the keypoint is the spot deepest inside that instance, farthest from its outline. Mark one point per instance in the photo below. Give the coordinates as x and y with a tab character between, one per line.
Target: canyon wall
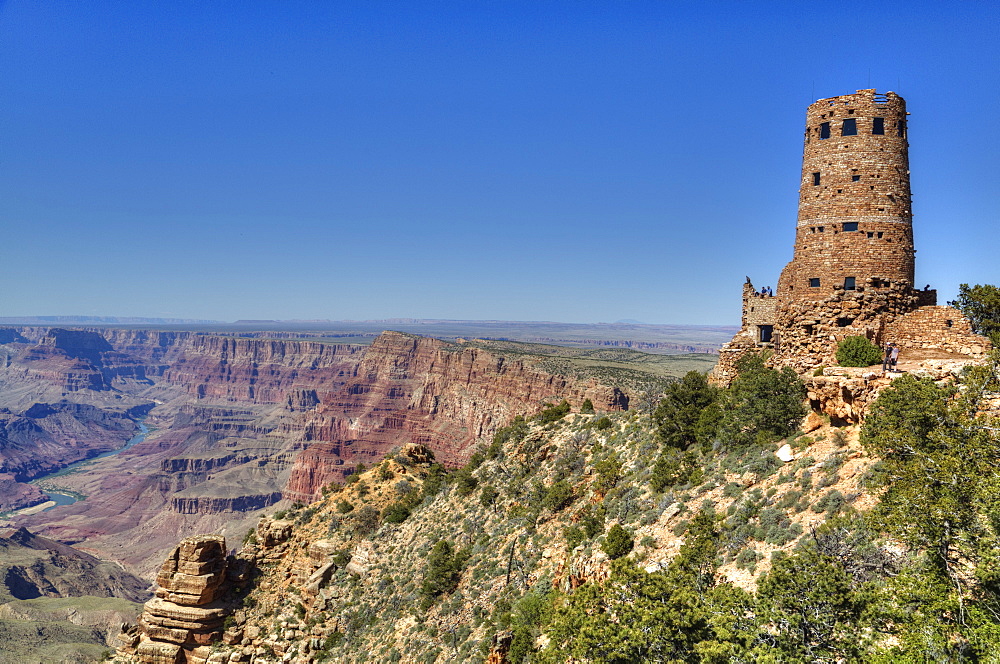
238	423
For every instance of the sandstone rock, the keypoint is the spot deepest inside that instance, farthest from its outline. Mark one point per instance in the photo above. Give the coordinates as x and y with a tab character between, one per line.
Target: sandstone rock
154	652
812	422
322	549
271	532
186	615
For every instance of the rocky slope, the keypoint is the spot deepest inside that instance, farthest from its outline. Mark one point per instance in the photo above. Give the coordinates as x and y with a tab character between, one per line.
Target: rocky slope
60	604
346	578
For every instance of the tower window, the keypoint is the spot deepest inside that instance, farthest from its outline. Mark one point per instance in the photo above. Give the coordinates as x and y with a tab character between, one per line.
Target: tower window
901	128
815	179
850	226
820	228
849	283
855	178
870	234
765	332
878	125
850	127
814	282
844	322
824	130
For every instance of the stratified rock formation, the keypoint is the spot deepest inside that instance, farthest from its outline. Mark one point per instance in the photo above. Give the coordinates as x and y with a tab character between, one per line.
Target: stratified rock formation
240	423
189	608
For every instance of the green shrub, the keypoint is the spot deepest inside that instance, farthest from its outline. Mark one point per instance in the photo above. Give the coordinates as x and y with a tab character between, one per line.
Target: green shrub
553	413
603	423
617	543
587	407
574	537
857	351
395	513
465	482
559	495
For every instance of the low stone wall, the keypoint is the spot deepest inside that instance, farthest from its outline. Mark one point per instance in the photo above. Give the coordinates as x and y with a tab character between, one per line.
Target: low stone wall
938	328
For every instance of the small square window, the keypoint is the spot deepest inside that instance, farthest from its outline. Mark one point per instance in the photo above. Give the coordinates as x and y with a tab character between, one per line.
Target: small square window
850	226
820	229
880	235
849	283
849	128
814	282
855	178
870	234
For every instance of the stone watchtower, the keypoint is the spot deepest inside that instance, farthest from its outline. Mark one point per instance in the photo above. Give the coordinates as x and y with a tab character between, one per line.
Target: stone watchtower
855	223
852	270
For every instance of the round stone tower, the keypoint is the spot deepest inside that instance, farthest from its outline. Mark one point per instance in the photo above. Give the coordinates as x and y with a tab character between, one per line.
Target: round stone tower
854	229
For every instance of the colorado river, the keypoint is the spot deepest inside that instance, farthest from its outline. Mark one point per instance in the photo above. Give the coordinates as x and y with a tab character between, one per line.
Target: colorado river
60	498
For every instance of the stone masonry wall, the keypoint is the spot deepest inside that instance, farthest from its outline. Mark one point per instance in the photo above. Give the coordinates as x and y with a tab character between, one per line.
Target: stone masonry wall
938	328
855	218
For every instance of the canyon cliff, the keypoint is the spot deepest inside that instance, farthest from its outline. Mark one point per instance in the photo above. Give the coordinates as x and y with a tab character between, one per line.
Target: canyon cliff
238	424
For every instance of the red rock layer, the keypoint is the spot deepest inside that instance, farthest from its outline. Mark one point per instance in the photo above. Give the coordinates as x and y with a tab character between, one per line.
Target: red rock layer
410	389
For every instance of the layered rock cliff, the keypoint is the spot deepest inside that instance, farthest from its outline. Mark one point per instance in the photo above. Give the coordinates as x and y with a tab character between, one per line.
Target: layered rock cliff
442	395
240	422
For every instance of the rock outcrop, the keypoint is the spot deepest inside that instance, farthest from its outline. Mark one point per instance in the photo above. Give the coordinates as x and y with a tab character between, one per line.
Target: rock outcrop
189	608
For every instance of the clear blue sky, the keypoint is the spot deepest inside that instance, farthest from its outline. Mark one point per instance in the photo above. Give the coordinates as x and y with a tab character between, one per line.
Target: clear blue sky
574	161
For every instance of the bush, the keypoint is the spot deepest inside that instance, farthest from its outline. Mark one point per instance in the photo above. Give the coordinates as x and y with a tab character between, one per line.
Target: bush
617	543
762	404
554	413
857	352
587	407
558	496
511	434
603	423
395	513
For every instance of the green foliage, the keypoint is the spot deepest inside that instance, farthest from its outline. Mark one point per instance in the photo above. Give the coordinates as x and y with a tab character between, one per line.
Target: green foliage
397	512
558	496
366	520
553	413
609	472
443	571
981	304
465	481
591	518
674	467
488	496
603	423
344	507
762	404
574	536
673	615
511	434
618	542
857	351
807	598
587	407
356	475
681	418
434	481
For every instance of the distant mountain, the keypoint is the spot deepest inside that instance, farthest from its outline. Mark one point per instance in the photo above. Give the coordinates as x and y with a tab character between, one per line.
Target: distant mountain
106	320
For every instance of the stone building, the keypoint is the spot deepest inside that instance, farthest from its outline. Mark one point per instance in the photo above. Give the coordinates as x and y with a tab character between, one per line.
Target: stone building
852	270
